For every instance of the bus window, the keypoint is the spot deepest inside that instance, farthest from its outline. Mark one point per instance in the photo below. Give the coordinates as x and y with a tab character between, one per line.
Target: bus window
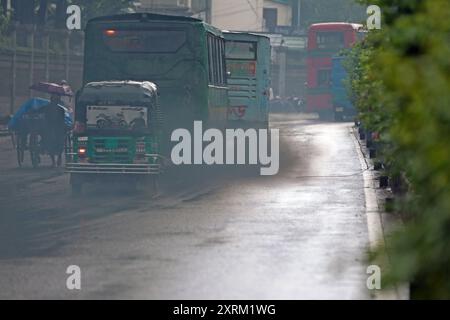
216	64
216	61
219	62
241	50
223	67
330	40
144	41
210	59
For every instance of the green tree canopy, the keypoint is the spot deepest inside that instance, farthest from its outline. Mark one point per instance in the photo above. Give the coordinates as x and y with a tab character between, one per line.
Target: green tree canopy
401	84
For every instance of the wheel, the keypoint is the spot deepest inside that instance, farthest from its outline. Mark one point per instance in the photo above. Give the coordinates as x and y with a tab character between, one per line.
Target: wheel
102	124
34	151
123	124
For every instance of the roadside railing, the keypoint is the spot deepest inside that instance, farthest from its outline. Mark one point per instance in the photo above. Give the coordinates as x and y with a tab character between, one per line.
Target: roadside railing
29	54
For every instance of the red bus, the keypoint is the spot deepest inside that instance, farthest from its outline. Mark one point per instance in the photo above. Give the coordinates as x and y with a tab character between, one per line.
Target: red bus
324	41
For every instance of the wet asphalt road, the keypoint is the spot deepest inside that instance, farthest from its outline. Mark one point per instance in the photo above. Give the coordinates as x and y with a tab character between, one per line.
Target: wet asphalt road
299	235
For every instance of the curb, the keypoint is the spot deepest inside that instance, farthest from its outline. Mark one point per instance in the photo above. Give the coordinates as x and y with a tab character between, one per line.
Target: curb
378	228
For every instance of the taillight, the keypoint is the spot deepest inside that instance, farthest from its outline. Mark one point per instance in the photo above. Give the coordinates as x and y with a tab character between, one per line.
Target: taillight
139	156
140	147
252	68
110	32
82	151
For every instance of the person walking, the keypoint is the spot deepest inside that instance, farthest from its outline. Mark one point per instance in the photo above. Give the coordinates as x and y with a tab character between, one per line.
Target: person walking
54	134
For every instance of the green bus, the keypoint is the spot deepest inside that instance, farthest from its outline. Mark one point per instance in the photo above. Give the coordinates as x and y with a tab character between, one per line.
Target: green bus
138	67
183	56
248	65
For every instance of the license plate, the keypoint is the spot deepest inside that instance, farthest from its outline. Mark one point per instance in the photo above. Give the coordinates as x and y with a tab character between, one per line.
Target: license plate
339	109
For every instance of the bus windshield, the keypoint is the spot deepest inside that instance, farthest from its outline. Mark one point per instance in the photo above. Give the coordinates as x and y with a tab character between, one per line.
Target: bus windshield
330	40
240	50
156	52
144	41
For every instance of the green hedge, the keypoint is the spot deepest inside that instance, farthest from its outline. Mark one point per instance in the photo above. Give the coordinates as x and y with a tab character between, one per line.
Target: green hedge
400	81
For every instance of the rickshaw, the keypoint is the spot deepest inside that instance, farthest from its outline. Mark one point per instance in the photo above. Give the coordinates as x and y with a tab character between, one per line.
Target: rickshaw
28	123
125	151
27	126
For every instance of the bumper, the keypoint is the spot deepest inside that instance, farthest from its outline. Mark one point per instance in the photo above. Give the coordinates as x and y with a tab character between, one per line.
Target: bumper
103	168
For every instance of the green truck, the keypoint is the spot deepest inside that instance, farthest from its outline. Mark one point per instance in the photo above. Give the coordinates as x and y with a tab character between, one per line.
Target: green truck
118	130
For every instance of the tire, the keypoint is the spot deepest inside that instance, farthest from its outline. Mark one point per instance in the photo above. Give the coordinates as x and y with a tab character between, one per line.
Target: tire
123	124
34	151
102	124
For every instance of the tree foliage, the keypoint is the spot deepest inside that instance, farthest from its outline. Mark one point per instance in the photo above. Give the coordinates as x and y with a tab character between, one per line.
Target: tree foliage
401	84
